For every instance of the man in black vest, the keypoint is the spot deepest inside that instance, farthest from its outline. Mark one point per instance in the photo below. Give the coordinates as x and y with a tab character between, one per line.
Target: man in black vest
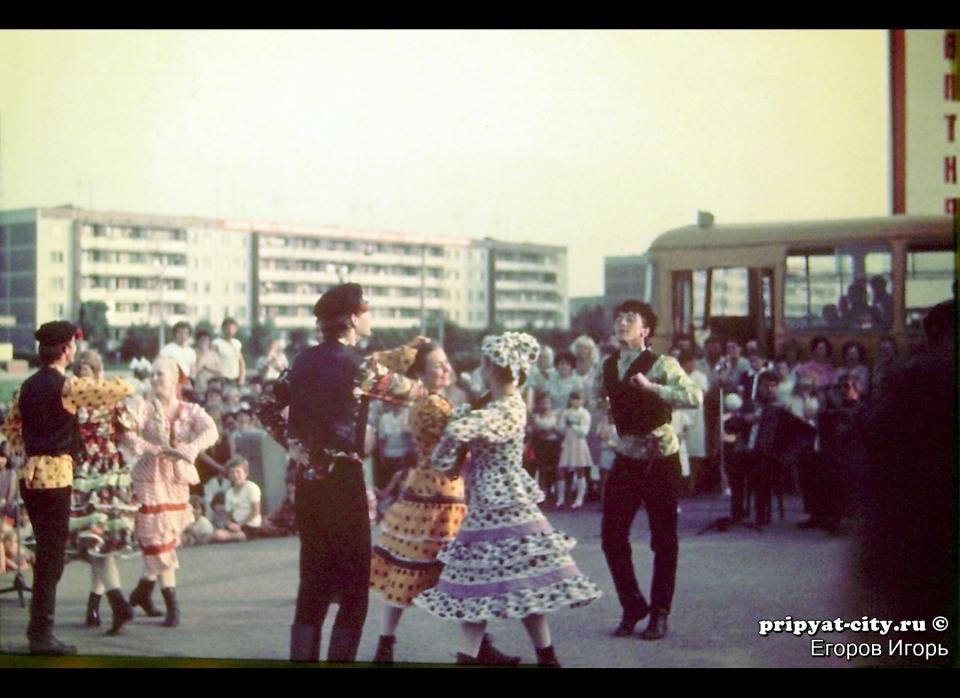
642	388
42	426
327	429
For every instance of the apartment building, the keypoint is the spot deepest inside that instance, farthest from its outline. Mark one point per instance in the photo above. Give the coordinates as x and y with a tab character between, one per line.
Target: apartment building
150	269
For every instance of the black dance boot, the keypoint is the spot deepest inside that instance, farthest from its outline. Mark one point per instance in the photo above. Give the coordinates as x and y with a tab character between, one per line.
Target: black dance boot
51	646
93	610
304	643
42	641
632	615
122	611
172	618
466	659
491	655
546	657
141	597
657	628
384	653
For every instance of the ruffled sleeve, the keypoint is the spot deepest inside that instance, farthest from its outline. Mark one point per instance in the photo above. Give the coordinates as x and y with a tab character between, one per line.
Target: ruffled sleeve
132	440
381	383
430	419
90	393
496	424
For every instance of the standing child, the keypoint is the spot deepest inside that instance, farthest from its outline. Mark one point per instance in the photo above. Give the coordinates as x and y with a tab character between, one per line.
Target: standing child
575	455
545	438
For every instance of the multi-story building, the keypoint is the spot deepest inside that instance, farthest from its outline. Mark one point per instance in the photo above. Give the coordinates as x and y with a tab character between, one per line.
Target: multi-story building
150	269
625	278
527	285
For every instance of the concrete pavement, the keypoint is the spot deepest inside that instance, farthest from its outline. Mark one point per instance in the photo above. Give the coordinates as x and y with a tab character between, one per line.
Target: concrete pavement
237	604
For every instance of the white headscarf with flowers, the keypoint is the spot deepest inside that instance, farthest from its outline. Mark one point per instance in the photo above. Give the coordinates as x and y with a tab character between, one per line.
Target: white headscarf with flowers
514	350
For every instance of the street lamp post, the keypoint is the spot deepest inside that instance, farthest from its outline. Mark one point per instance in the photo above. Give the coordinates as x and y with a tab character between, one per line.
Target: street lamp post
163	270
423	289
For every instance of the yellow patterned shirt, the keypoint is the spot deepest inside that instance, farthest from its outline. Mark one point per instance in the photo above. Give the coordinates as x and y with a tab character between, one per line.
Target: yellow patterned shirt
48	472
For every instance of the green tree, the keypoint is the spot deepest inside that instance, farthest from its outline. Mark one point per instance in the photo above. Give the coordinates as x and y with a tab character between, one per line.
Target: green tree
93	322
140	340
592	321
261	334
298	340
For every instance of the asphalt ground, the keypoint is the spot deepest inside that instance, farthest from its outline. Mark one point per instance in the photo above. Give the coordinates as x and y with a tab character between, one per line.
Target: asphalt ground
237	604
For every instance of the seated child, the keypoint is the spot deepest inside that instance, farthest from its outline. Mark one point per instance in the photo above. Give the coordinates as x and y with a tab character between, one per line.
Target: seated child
201	530
242	501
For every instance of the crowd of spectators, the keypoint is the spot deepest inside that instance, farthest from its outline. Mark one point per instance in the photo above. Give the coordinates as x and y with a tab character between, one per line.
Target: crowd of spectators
790	422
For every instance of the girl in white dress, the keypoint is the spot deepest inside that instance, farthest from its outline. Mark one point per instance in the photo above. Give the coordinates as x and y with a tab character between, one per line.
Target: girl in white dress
575	459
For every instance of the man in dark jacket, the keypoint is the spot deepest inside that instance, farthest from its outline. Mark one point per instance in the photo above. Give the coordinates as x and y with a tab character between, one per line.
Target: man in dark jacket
329	387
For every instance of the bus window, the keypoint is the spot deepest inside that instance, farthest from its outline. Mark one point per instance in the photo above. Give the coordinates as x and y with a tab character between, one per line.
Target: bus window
699	298
844	289
929	280
728	293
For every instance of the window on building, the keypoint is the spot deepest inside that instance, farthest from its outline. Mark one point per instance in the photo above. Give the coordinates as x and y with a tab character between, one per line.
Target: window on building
56	257
21	286
23	260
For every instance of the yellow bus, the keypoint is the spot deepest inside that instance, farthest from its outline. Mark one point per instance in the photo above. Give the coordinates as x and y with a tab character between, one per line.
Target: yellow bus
853	279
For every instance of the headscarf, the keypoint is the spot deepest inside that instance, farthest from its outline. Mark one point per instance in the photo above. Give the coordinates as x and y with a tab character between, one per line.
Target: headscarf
514	350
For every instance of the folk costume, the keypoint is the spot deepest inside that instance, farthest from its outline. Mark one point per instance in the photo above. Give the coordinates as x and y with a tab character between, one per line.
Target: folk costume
646	470
43	427
426	516
329	389
507	560
162	484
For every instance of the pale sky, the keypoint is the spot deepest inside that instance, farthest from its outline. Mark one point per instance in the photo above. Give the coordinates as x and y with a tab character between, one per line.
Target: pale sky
597	140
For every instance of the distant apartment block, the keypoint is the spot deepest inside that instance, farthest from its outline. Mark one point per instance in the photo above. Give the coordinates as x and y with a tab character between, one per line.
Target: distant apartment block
148	268
629	277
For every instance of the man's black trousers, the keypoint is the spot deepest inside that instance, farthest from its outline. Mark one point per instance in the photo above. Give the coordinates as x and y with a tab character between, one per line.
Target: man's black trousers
334	524
655	484
49	512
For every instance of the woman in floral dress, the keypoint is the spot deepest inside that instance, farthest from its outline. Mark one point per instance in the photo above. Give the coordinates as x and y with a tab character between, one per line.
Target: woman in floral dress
102	507
167	436
426	516
507	560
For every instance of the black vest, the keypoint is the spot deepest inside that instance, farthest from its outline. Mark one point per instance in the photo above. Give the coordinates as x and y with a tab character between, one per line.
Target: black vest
48	428
635	412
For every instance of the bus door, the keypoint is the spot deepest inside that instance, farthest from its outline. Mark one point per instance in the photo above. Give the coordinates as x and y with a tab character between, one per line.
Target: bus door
734	302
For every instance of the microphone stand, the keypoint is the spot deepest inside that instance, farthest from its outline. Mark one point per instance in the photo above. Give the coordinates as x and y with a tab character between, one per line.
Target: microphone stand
723	524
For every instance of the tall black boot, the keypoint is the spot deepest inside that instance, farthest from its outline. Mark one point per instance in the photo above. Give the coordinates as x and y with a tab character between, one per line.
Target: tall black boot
632	614
93	610
172	618
42	641
122	611
141	597
343	644
657	628
548	658
384	654
491	655
304	643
